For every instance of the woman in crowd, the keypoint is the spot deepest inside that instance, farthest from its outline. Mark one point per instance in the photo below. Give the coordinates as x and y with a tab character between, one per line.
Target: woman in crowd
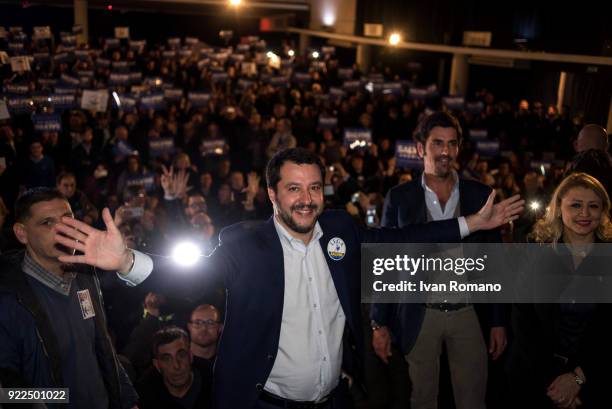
557	359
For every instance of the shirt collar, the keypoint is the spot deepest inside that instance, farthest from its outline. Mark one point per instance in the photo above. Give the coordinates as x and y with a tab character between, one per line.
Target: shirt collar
455	178
33	269
284	235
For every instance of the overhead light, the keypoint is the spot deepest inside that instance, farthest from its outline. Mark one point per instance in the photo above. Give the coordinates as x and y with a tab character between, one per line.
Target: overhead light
291	53
315	54
394	39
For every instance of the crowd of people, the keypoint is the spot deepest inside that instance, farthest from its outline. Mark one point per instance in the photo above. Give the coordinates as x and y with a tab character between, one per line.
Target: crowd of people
174	139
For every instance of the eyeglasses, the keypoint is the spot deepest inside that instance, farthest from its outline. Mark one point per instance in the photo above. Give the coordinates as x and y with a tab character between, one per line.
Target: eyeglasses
207	323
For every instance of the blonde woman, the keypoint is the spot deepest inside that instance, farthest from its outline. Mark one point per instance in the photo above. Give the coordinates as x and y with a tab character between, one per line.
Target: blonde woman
558	357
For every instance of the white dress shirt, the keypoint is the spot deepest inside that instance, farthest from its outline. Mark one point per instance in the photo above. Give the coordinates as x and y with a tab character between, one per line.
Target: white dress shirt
435	208
143	265
309	358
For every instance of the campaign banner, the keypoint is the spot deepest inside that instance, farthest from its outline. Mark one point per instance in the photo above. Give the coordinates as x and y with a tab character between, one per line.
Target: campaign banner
406	155
20	104
153	101
351	86
63	89
42	32
243	48
135	77
454	103
169	54
82	55
147	181
121	66
279	81
198	99
137	46
244	84
174	42
237	57
47	123
173	94
336	93
69	40
478	134
218	78
20	63
160	147
122	32
185	53
69	80
328	122
154	82
213	147
4	113
42	57
126	101
40	99
77	29
20	89
248	68
16	48
542	166
47	82
103	63
474	107
219	56
328	50
357	138
112	43
376	77
205	62
345	73
122	149
94	100
487	148
430	91
302	78
392	88
85	73
318	65
63	101
191	41
117	78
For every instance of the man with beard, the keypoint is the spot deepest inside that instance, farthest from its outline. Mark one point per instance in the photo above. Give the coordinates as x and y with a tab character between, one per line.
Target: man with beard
293	291
421	329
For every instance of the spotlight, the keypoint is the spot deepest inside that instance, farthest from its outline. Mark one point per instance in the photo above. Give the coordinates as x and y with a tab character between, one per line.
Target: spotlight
185	254
394	39
235	3
535	205
315	54
291	53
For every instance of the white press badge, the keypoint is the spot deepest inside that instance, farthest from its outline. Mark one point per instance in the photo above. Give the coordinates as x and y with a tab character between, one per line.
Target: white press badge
336	248
87	308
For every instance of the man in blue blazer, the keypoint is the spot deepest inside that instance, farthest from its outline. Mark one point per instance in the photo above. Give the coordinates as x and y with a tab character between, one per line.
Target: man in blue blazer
293	290
420	330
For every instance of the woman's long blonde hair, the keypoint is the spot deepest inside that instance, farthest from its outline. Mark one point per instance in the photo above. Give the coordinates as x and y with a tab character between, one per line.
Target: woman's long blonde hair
549	228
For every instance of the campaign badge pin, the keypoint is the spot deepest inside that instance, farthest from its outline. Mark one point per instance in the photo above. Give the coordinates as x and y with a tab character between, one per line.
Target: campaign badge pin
336	248
87	308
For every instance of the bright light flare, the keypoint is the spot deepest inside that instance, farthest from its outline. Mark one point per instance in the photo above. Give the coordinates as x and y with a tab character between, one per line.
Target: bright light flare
235	3
290	53
535	205
186	254
315	54
395	38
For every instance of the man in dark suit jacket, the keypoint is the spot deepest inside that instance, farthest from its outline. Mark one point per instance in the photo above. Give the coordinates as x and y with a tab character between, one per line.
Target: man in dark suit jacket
421	329
293	291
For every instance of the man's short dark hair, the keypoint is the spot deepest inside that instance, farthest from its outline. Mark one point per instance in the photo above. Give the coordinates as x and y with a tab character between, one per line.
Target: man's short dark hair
64	175
30	197
299	156
166	336
441	119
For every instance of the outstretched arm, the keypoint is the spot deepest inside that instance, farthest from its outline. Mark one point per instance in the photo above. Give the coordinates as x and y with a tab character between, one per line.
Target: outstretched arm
103	249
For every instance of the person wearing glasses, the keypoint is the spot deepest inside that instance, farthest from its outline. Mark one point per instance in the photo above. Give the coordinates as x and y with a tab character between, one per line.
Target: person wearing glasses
205	328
